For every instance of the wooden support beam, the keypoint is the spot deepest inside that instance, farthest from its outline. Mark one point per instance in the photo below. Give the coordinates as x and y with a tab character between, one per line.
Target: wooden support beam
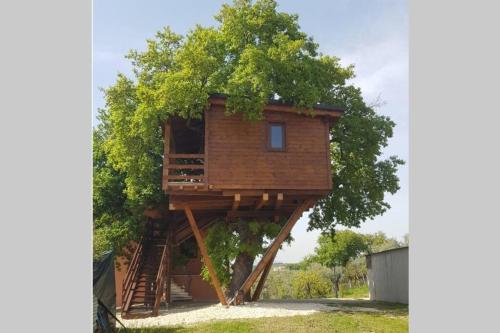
236	202
256	213
263	201
263	277
271	250
204	253
279	200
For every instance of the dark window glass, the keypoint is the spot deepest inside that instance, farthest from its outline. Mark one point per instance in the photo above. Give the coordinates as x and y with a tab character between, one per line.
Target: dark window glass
277	136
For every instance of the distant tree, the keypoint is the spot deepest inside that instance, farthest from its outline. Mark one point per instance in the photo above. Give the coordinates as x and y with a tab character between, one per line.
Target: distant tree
355	272
293	266
278	285
310	284
307	261
380	242
335	251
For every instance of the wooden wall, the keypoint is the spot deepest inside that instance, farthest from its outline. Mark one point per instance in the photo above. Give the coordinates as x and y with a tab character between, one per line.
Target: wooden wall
189	278
238	157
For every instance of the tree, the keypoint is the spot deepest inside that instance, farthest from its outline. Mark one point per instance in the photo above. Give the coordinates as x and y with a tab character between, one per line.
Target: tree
255	53
310	284
233	248
379	241
355	272
335	251
307	261
114	223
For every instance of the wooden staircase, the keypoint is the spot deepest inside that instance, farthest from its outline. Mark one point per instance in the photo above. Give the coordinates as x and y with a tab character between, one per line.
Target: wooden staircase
146	283
177	293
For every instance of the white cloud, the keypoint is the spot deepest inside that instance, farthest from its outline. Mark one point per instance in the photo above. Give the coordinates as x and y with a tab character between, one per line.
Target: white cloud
379	67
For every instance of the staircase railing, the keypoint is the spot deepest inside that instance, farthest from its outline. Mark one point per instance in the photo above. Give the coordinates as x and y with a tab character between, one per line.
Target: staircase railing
162	275
129	280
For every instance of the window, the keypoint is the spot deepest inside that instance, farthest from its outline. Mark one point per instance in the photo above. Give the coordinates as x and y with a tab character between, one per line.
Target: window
276	137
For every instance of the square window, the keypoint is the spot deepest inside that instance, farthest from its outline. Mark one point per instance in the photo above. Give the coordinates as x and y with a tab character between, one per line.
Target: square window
276	136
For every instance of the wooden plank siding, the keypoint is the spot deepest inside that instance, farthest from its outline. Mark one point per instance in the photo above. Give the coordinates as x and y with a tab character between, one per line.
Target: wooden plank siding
239	158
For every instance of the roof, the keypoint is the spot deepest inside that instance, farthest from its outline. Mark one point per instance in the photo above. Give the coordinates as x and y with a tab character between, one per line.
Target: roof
390	250
276	105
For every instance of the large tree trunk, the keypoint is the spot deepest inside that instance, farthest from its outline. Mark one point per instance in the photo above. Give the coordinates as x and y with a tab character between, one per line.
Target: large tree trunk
242	268
243	264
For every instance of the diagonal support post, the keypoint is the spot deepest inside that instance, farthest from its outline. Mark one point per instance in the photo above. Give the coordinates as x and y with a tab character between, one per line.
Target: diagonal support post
271	251
262	280
204	253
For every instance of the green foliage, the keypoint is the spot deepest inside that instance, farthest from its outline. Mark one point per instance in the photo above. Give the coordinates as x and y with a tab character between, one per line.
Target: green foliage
378	242
114	225
343	251
224	244
355	272
310	284
132	147
307	261
108	183
339	249
278	285
288	283
360	177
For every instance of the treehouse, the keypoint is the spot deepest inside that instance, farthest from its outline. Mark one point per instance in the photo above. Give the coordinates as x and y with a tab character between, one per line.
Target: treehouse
222	168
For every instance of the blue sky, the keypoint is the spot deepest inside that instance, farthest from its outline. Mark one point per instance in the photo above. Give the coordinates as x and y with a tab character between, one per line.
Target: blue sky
371	34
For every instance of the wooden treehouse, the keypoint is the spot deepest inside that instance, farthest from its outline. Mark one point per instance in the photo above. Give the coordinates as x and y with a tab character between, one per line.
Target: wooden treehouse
224	168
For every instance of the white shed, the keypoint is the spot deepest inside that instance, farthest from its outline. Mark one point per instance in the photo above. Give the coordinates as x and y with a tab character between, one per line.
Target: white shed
388	275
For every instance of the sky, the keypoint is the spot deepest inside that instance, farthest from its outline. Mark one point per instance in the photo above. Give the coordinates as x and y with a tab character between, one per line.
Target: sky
371	34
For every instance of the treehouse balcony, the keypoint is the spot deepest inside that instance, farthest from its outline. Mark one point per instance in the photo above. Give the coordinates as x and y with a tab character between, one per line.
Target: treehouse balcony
185	171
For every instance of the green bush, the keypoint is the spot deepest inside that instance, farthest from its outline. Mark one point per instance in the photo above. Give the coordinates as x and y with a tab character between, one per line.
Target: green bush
311	284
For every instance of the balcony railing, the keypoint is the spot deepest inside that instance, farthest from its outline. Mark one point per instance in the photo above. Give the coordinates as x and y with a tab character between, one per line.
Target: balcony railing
185	170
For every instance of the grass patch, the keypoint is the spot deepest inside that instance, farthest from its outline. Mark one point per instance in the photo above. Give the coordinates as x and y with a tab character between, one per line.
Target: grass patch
355	292
352	322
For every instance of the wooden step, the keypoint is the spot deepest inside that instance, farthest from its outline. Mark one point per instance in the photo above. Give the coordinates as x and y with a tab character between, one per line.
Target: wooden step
177	293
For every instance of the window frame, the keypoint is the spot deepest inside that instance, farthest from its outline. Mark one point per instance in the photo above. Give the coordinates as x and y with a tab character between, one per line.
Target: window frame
269	136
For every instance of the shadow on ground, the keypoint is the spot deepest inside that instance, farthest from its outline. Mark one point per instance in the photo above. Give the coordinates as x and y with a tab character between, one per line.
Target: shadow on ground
361	305
153	330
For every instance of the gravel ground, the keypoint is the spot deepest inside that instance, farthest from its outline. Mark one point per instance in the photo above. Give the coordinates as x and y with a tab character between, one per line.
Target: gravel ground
197	314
